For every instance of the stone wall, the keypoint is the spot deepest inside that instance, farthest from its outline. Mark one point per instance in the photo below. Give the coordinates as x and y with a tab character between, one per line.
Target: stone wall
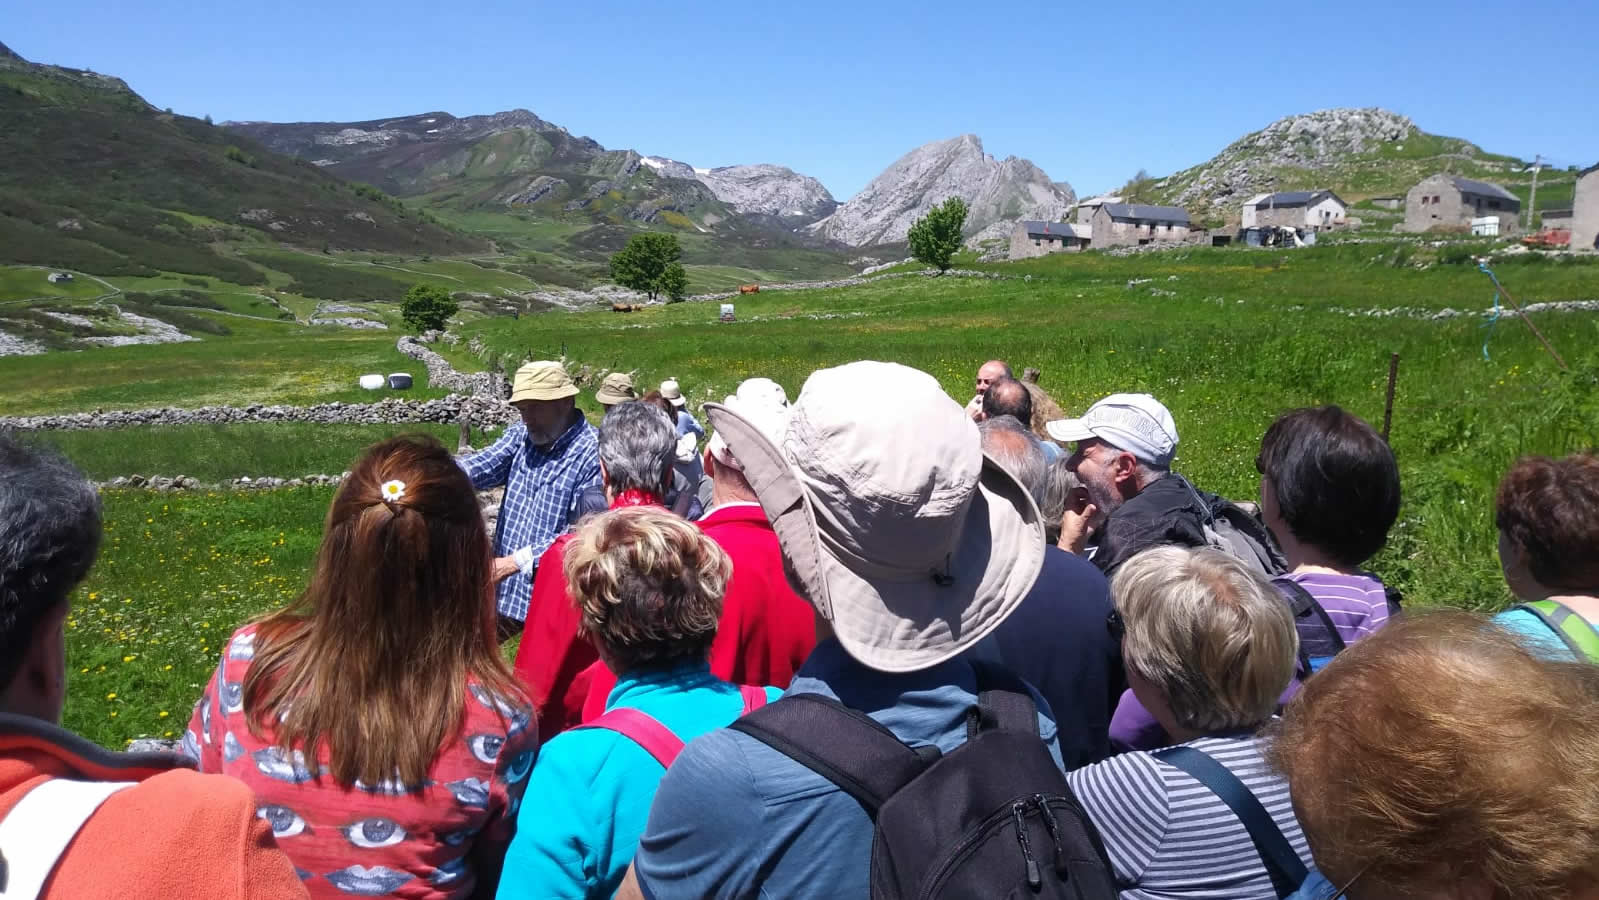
482	411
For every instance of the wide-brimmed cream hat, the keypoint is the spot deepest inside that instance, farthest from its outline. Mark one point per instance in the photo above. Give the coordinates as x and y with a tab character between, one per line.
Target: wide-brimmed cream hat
616	388
542	380
904	536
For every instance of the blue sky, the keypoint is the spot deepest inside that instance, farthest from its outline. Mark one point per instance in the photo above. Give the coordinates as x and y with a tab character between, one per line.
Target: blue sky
839	90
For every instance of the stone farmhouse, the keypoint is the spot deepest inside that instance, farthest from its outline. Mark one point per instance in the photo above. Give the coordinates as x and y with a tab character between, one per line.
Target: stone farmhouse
1030	238
1585	211
1311	210
1129	224
1449	200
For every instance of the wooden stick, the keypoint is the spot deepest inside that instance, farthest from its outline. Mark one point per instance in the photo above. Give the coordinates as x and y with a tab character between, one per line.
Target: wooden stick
1536	333
1388	404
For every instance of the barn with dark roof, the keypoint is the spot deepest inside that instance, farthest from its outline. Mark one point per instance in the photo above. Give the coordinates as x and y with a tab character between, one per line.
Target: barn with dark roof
1452	201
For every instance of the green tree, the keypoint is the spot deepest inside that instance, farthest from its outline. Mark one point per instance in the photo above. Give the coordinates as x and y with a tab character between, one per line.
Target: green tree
427	307
936	236
649	263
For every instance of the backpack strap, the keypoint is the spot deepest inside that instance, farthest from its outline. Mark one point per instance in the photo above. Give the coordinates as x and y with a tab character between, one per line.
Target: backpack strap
38	829
643	729
848	748
754	697
1004	702
1287	871
1304	601
1575	631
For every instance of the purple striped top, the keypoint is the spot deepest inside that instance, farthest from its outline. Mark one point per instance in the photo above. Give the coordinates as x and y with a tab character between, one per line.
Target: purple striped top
1357	604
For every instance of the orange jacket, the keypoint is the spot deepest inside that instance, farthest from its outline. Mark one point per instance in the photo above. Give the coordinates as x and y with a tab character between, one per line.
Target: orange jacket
176	833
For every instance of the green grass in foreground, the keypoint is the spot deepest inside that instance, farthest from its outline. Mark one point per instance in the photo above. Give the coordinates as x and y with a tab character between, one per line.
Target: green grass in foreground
177	573
215	453
261	362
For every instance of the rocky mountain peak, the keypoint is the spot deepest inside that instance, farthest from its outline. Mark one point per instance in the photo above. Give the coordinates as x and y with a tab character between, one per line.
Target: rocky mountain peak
995	191
1313	141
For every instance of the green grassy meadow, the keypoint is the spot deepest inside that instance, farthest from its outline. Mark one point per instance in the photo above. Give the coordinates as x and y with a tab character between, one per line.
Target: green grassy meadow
1227	338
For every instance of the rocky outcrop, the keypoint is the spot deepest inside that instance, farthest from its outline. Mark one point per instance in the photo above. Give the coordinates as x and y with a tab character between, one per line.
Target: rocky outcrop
1321	141
769	190
994	190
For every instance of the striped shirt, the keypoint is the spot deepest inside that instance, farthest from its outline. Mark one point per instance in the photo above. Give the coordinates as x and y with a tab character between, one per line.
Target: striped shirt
1169	837
1357	604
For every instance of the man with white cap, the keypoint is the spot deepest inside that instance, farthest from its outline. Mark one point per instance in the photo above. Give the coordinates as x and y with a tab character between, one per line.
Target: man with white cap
765	630
1125	446
911	552
544	460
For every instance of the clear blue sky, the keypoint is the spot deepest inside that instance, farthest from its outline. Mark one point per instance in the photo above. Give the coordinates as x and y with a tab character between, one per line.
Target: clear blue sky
838	90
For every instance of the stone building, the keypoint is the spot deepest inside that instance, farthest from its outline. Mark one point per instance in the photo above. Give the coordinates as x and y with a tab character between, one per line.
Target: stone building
1126	224
1449	200
1585	211
1029	238
1087	208
1312	210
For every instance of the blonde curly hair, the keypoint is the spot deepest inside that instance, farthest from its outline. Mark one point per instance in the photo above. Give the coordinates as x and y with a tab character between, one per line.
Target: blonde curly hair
648	586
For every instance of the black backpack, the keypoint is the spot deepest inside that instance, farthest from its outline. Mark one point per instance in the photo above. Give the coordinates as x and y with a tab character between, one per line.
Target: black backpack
993	818
1319	640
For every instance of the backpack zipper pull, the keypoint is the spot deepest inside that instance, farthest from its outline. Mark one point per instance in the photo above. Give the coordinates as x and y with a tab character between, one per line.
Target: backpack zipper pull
1035	880
1054	833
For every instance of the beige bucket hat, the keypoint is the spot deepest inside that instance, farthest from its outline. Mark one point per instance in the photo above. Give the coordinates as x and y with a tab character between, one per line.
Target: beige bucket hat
542	380
914	549
616	388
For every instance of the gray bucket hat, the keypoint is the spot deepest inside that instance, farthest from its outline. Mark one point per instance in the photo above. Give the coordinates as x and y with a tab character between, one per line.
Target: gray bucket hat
902	534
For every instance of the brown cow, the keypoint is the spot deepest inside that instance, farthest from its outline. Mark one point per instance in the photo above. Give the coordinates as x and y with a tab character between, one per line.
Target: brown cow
749	289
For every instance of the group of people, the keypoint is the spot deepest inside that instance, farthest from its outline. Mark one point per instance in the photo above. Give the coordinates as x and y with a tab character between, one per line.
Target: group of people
864	643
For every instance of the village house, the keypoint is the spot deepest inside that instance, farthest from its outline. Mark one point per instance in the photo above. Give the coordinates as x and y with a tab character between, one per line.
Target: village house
1130	224
1087	208
1312	210
1585	211
1030	238
1449	200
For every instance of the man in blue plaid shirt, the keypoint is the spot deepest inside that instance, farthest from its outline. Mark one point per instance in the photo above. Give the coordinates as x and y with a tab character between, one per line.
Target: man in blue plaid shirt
545	460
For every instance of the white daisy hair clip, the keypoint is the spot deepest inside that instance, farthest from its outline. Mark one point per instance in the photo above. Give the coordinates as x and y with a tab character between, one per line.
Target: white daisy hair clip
393	491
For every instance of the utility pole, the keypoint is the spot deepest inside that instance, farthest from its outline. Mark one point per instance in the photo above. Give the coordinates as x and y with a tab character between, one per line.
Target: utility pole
1532	203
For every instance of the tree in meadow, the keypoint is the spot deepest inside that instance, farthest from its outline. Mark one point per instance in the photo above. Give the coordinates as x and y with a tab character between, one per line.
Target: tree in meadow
936	236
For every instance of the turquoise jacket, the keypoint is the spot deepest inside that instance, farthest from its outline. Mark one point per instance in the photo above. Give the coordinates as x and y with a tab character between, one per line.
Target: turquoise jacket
589	795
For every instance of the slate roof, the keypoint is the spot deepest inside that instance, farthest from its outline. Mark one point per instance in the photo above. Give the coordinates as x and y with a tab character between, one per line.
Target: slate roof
1143	212
1055	229
1290	199
1483	189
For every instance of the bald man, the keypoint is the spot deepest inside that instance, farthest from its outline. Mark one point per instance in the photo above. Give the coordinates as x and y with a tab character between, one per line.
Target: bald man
986	373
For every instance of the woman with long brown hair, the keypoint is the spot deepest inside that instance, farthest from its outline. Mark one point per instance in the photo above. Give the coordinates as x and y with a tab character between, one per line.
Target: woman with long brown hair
384	735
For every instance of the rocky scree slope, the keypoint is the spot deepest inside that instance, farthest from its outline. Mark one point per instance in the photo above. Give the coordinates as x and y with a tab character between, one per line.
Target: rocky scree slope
1357	153
997	191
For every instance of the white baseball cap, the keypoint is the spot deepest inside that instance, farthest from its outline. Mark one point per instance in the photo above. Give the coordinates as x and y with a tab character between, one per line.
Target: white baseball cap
765	404
1136	423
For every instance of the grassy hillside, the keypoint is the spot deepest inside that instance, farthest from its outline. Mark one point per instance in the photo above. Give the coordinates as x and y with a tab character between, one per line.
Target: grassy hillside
95	179
1358	154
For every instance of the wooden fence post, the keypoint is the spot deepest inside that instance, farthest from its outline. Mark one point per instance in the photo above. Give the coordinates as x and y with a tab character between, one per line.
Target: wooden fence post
1388	404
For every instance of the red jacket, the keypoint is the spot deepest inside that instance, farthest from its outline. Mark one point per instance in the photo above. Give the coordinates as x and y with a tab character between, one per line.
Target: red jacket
766	630
176	833
553	659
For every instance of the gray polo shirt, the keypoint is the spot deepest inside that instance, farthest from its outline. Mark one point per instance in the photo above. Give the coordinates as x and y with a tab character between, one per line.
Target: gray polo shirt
735	818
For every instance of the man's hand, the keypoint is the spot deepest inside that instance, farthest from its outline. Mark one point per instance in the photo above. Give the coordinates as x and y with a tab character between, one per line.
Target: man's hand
1077	522
505	567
